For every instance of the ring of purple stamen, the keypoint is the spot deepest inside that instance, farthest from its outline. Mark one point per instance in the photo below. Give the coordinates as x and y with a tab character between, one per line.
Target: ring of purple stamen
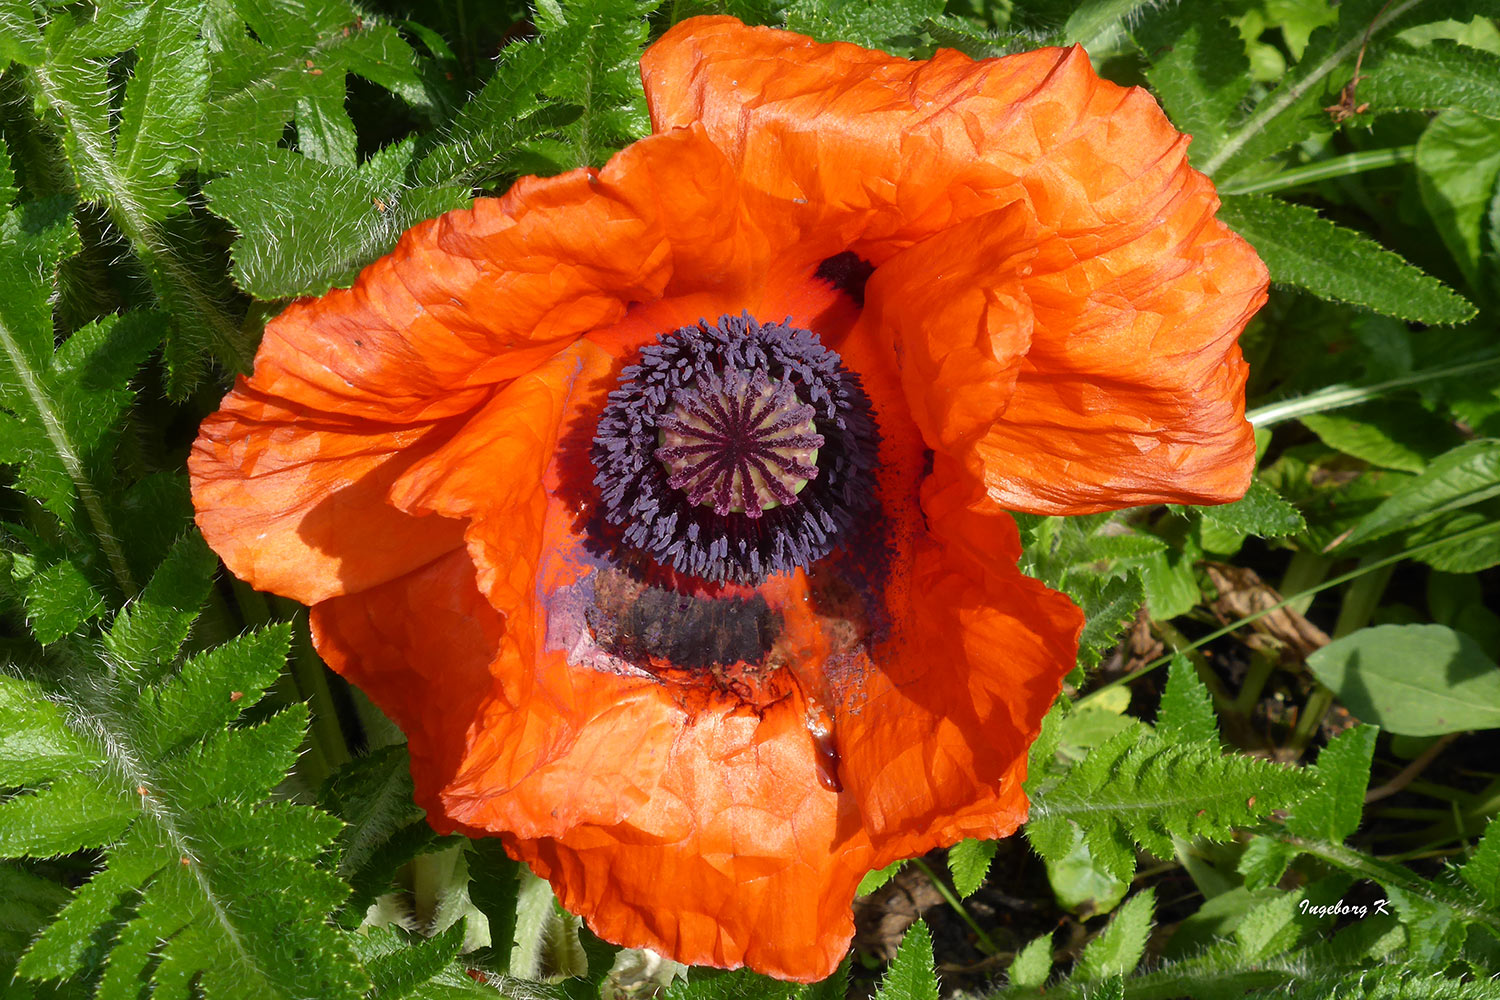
735	450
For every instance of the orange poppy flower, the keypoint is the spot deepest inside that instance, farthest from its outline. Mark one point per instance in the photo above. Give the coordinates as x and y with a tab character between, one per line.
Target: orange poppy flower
662	505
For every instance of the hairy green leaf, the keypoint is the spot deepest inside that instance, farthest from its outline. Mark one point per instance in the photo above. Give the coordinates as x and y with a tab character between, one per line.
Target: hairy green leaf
1117	950
150	632
1261	512
1032	964
1138	789
1187	711
1304	250
1332	811
1433	77
911	975
969	862
1199	70
1417	680
1482	870
1394	433
58	600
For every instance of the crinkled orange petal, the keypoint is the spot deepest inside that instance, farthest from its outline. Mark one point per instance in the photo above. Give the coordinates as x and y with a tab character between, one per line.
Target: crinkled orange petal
295	503
847	144
1131	390
739	858
933	730
290	475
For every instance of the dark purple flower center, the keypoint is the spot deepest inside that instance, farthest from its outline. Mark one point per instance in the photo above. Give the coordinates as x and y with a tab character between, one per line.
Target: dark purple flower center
735	450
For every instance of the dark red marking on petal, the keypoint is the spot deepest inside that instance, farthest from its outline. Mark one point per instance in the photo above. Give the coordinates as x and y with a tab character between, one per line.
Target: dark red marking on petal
848	272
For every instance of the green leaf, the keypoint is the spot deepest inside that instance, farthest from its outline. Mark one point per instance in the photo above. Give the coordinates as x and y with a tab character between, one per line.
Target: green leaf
1482	870
1332	811
60	599
295	66
1109	604
891	26
305	226
1117	950
1199	71
1394	433
1467	475
1458	165
878	877
152	630
400	972
1417	680
1187	711
1085	884
1261	512
163	107
739	984
385	828
911	975
1138	789
1033	964
1171	585
35	741
969	862
19	39
1264	862
1094	17
1435	77
1304	250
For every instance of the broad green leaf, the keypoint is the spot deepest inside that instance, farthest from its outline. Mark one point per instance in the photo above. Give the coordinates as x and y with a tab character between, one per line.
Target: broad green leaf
1418	680
740	984
1117	950
1187	711
1467	475
1268	929
1089	884
1304	250
1332	811
1434	77
1171	585
1033	964
1458	164
1261	512
911	975
1394	433
1198	70
58	600
969	862
1465	542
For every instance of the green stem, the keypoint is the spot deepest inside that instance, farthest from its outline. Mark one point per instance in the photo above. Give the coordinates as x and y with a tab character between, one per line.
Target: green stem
1337	396
985	941
1343	578
312	682
1306	569
1262	665
1337	166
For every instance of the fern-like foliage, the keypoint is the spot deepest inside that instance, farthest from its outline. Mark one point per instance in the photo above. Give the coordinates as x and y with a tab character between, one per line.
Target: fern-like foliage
204	881
1138	789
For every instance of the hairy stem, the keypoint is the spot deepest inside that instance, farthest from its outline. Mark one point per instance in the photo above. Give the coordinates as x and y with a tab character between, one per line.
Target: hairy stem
1336	396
